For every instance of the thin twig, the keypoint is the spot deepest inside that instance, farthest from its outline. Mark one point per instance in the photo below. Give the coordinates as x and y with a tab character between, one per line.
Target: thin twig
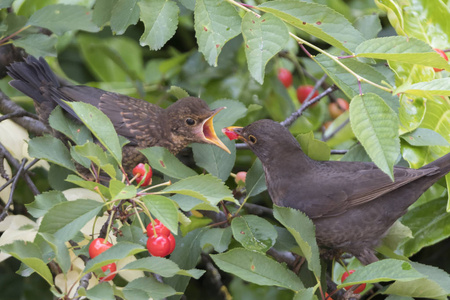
18	114
339	128
13	187
294	116
12	179
84	283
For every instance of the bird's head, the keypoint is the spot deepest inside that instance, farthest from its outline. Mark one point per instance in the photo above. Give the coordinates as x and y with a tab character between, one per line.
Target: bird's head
191	121
266	138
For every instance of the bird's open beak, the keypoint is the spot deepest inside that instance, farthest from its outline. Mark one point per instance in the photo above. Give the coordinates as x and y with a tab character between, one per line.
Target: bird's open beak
233	132
210	134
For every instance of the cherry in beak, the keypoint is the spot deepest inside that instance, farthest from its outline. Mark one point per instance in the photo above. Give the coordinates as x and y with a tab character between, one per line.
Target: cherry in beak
232	132
209	133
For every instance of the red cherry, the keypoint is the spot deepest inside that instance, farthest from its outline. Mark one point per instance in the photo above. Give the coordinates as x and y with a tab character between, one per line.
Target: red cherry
240	177
140	170
338	107
112	268
444	56
230	134
98	246
159	246
342	103
159	228
173	243
285	76
358	289
303	92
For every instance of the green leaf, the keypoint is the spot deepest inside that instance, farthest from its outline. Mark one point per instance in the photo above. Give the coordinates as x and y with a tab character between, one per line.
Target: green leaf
72	129
403	49
186	255
318	20
164	210
375	125
207	188
113	254
102	11
429	223
234	111
425	137
307	294
436	87
356	153
188	203
411	113
60	251
52	150
219	238
90	185
120	190
436	285
369	25
162	266
160	19
349	84
37	44
312	147
101	291
215	22
65	219
264	37
177	92
30	255
60	18
255	182
100	125
257	268
124	14
303	230
254	233
44	202
98	156
162	160
147	288
214	160
382	271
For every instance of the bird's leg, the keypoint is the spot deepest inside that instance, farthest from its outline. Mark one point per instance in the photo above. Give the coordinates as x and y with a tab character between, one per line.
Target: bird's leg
298	264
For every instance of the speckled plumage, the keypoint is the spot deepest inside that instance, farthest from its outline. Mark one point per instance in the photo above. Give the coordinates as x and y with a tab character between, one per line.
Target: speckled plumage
142	123
352	204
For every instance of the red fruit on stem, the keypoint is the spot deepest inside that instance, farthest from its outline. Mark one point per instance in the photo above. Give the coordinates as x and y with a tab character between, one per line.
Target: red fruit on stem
159	228
441	53
159	246
342	103
240	177
230	134
303	92
358	289
140	171
173	243
98	246
112	268
285	76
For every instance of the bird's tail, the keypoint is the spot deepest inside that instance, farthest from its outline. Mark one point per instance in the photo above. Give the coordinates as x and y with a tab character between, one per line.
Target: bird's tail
31	75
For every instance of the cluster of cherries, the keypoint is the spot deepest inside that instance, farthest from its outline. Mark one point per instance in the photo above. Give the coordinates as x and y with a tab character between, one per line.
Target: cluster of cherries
160	241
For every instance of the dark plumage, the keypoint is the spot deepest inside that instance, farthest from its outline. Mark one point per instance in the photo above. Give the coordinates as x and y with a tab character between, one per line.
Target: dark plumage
352	204
144	124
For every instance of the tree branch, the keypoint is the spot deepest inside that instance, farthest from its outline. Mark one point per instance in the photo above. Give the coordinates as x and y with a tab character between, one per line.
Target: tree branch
13	187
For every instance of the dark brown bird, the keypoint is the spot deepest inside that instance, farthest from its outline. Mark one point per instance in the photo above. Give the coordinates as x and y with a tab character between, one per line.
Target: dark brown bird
189	120
352	204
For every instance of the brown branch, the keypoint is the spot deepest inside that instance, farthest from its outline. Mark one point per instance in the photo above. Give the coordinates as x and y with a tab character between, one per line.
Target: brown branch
15	163
7	106
13	188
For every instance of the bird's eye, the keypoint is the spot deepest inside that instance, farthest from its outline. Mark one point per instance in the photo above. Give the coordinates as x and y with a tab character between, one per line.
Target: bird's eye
252	139
190	121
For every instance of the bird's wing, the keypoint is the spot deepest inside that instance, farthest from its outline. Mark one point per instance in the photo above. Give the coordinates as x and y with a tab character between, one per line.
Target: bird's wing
356	184
334	187
135	119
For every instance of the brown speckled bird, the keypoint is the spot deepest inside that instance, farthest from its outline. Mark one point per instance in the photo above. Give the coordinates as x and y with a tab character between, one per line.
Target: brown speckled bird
189	120
352	204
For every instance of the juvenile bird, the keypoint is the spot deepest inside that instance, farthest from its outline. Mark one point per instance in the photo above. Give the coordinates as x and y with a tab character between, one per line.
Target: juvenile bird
189	120
352	204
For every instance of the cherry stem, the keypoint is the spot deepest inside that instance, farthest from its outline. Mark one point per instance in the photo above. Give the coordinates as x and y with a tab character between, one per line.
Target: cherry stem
14	34
155	186
139	217
346	56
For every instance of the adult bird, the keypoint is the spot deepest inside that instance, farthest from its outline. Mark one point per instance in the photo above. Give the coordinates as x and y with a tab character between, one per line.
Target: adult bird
352	204
189	120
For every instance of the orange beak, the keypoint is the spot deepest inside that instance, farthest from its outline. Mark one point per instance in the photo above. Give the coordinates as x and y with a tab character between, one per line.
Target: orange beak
209	133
